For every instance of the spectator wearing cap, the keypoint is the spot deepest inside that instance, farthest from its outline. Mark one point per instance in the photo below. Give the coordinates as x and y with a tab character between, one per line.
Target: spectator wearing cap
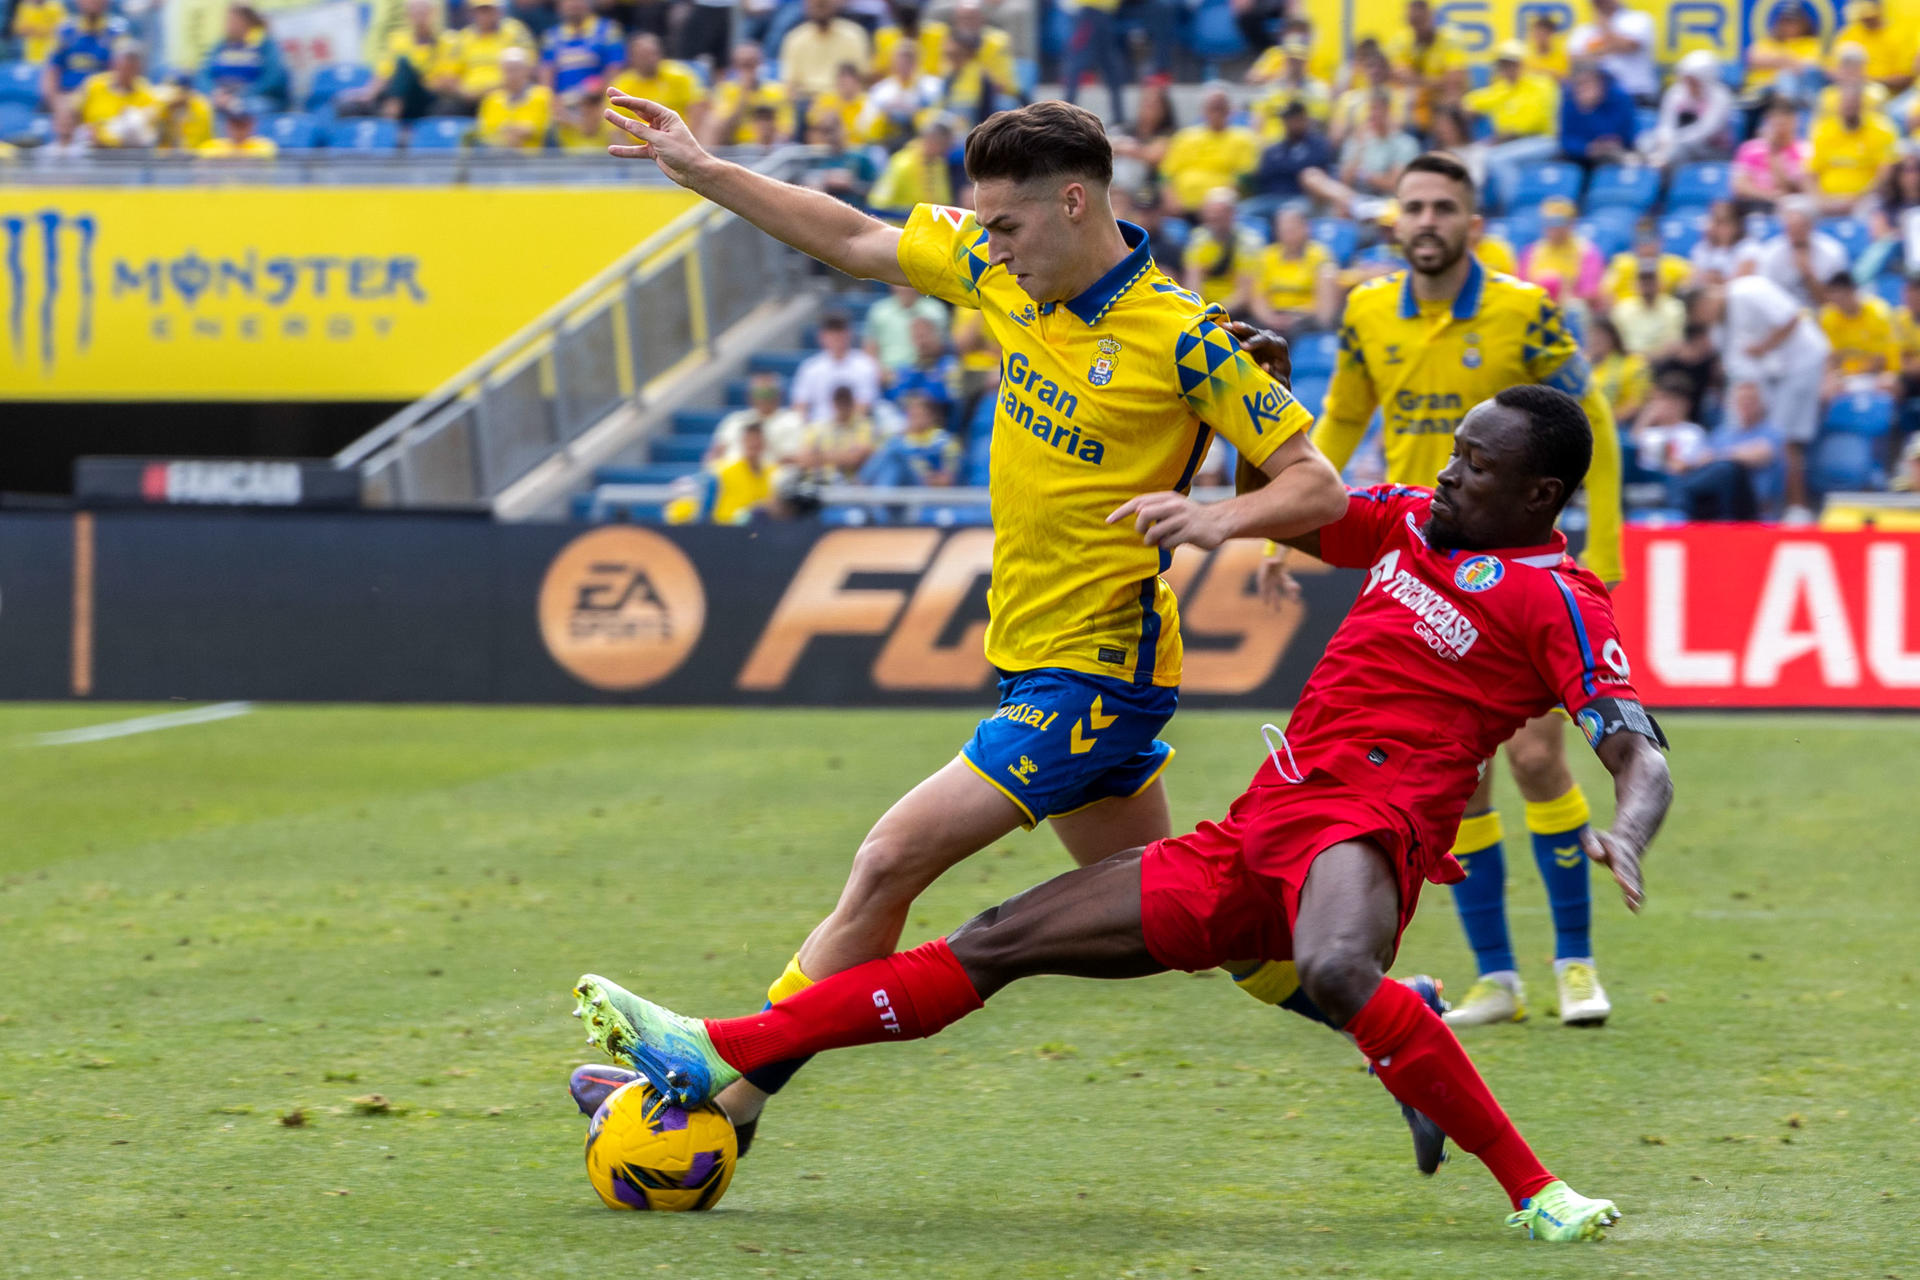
245	64
1222	258
1624	377
740	91
1890	48
517	115
1546	48
82	48
1773	163
784	430
1865	353
36	25
1562	261
1429	60
1212	154
1788	56
896	106
1734	473
399	89
1522	111
1696	115
1769	337
1300	165
119	105
467	67
920	172
1597	119
890	327
578	55
1292	84
1801	259
1621	40
1623	271
185	118
923	455
1849	151
812	52
839	442
1718	254
1651	321
1294	290
240	142
838	363
1138	151
648	73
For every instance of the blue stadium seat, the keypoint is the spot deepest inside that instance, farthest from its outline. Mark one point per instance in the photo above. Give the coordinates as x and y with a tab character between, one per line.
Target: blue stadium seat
1680	232
292	131
698	422
1479	75
1543	181
1623	186
20	82
1851	233
1523	228
439	133
974	470
783	363
1311	392
1215	34
1313	354
658	473
369	135
1861	413
329	81
1611	229
16	118
1699	184
1338	234
1762	226
1844	462
679	448
738	393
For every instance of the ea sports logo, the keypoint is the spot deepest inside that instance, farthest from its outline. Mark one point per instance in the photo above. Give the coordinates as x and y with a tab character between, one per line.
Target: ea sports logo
621	608
1479	573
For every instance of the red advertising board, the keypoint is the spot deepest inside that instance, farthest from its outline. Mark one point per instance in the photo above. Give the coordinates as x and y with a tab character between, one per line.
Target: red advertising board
1751	616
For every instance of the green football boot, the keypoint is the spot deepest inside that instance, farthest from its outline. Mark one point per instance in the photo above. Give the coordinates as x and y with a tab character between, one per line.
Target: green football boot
1560	1213
674	1052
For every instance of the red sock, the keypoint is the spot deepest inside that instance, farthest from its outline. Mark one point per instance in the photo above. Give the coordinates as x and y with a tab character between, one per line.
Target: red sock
1417	1057
906	996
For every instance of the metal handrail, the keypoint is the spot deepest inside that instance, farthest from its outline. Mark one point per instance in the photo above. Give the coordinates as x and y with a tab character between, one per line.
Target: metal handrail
849	495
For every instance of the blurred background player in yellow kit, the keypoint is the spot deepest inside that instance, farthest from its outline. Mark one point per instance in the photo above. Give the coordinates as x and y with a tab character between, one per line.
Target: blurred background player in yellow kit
1424	345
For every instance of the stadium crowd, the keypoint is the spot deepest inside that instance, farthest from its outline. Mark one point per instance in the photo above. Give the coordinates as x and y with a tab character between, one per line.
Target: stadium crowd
1737	244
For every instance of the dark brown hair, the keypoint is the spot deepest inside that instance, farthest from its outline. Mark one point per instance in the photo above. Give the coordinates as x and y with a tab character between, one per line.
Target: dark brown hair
1040	140
1446	166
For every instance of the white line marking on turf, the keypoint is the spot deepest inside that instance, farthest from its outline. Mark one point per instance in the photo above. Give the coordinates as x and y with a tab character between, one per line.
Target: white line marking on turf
144	724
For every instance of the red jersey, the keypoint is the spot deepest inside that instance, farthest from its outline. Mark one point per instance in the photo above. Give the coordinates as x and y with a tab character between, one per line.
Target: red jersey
1444	655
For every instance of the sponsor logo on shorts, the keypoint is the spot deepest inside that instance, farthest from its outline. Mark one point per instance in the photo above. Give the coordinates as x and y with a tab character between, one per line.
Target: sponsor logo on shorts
1025	770
1479	573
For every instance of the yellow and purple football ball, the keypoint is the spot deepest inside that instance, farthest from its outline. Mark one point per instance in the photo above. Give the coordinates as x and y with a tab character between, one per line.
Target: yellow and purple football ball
643	1152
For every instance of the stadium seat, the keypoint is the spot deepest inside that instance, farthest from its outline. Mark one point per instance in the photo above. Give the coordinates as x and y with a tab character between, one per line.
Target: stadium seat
1610	229
974	471
1313	354
679	448
1843	463
1861	413
1215	34
1890	290
784	363
1851	233
698	422
657	473
1523	228
1762	226
292	131
20	82
1542	182
1680	232
1699	184
1338	235
439	133
16	119
1623	186
1310	391
367	135
328	82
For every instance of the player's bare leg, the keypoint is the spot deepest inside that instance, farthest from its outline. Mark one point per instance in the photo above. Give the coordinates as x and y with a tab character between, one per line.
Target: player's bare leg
1123	822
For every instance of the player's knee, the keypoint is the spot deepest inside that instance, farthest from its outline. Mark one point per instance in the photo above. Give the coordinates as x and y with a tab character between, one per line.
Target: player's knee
1340	978
1538	762
886	874
985	946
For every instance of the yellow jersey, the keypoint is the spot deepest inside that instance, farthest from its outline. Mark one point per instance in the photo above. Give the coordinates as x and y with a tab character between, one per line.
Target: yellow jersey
404	46
727	101
1863	342
912	178
933	49
1425	364
1623	273
1309	93
1890	52
1496	254
1103	397
186	123
472	57
1522	108
1556	64
1805	49
1324	60
532	111
1873	98
102	102
739	487
1287	283
1624	379
1199	159
35	23
254	147
1221	272
1846	162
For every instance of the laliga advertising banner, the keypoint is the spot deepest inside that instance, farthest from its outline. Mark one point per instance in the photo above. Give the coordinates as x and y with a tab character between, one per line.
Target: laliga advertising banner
1747	616
290	293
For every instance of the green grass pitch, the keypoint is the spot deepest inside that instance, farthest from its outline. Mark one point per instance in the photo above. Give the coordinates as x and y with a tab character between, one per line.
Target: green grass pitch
209	931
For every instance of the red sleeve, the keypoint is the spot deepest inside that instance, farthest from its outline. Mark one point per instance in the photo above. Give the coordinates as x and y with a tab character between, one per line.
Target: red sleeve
1574	644
1353	541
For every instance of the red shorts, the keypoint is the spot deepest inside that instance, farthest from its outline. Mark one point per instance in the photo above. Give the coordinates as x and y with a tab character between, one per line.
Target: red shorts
1231	890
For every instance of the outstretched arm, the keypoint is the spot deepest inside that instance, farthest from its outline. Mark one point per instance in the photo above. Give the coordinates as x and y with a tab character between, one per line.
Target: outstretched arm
1642	791
811	221
1302	493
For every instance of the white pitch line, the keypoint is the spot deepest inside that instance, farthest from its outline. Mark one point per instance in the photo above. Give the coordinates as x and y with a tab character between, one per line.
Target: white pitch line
144	724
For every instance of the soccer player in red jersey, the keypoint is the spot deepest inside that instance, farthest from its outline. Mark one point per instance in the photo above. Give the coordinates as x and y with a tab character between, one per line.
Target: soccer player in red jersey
1473	620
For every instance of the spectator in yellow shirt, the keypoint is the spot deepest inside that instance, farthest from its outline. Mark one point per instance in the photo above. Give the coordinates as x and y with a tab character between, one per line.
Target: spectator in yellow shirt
35	23
927	39
1849	152
1429	60
1213	154
1622	376
468	66
1292	84
740	91
1295	289
1859	328
118	104
1624	269
1650	322
811	53
896	105
241	142
1850	71
989	47
399	89
1494	253
650	75
1547	49
743	485
1523	110
1370	72
517	115
1789	54
918	173
1890	49
1222	259
847	103
978	80
185	119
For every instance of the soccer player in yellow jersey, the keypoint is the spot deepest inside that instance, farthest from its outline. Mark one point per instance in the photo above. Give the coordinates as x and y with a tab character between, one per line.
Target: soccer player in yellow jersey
1424	345
1113	382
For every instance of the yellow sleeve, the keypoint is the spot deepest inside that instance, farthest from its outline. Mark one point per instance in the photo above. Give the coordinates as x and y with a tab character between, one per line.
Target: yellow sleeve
449	58
492	114
1230	393
1351	400
996	58
944	253
1617	283
1553	359
1482	102
889	191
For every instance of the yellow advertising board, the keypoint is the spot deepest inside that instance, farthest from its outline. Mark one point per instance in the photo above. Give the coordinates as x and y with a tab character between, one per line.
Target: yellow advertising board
290	293
1680	25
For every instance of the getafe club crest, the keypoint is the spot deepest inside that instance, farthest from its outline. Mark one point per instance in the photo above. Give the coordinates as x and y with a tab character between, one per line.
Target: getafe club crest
1102	371
1479	573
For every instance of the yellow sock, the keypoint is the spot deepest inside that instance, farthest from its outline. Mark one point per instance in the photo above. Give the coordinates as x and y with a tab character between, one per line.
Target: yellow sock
1555	817
1271	983
790	982
1481	831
